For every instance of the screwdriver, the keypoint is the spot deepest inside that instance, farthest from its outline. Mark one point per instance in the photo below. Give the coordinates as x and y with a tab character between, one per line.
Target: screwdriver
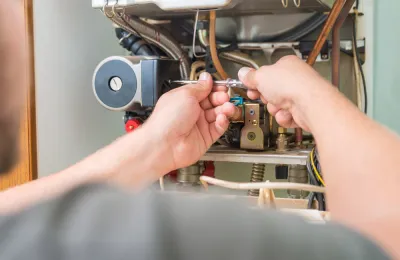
230	83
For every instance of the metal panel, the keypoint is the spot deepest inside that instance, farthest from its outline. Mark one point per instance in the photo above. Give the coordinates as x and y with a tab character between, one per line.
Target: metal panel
169	9
223	154
386	92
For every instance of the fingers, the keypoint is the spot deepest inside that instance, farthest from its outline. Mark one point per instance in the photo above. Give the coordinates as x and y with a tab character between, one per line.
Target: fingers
272	109
248	77
253	94
219	127
214	99
264	100
285	119
220	88
203	87
227	109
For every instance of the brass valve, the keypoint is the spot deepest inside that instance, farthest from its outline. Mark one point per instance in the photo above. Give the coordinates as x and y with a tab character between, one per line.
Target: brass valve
282	140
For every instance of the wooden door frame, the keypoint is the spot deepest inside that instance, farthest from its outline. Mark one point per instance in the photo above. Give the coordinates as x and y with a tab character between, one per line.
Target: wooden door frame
31	104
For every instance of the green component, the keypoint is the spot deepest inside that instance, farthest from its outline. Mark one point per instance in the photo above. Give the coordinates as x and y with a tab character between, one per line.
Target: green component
237	101
386	67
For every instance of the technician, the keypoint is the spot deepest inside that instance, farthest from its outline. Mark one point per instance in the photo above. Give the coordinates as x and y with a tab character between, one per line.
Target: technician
95	210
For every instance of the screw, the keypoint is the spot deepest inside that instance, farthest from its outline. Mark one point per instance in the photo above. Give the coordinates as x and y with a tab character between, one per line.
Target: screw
251	136
255	122
252	112
115	84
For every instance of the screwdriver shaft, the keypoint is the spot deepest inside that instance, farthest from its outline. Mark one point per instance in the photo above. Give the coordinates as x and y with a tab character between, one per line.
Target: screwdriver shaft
230	83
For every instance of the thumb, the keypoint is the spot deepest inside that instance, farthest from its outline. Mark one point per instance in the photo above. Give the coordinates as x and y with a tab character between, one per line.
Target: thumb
248	77
203	88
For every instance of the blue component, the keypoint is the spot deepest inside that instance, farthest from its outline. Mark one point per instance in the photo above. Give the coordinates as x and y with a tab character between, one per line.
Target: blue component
237	101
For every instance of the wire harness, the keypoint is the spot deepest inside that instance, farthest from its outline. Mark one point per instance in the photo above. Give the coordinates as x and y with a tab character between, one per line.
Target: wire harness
316	178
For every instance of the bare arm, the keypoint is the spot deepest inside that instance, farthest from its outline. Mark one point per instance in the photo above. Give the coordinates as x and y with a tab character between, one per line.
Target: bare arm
176	136
358	156
119	163
360	163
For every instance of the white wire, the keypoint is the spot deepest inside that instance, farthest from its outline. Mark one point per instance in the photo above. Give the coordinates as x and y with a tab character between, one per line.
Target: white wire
359	84
297	3
285	3
194	36
161	181
262	185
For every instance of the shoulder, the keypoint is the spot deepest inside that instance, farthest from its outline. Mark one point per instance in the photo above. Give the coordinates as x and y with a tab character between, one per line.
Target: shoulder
98	221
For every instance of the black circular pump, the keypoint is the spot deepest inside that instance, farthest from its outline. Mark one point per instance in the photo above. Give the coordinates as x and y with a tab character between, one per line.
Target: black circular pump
115	83
133	83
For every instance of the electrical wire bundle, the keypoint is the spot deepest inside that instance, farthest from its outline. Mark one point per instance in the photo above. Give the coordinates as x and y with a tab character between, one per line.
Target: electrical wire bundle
314	172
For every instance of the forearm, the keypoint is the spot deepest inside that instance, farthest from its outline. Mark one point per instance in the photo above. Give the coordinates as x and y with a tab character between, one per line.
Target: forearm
359	160
137	153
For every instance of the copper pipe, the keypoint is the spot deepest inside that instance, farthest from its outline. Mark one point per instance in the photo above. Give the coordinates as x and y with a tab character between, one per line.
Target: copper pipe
326	30
213	46
336	42
336	56
299	136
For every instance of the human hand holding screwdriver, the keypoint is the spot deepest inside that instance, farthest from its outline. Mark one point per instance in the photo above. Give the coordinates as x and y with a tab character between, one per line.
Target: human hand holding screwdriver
285	87
192	118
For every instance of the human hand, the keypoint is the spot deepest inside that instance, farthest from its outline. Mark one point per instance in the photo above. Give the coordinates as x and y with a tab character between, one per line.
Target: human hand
285	87
190	119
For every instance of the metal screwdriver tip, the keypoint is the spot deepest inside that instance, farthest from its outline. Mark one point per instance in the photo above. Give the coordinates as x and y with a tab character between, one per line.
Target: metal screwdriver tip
230	83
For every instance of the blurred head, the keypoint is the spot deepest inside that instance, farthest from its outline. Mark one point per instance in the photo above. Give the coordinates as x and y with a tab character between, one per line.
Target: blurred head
13	79
9	126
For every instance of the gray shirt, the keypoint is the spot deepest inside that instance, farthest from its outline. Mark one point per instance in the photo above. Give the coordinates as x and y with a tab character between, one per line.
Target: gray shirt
100	222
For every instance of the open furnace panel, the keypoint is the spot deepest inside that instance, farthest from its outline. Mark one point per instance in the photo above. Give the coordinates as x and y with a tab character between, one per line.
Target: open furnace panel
171	39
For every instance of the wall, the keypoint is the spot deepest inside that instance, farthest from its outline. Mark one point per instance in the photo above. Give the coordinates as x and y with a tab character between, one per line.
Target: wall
70	39
386	65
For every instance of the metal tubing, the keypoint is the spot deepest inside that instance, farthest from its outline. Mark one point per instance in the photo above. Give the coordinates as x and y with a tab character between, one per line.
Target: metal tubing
240	58
160	39
326	30
336	42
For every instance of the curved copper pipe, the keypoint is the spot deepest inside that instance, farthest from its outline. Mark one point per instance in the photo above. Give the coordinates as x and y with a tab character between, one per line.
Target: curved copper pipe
213	46
326	30
338	9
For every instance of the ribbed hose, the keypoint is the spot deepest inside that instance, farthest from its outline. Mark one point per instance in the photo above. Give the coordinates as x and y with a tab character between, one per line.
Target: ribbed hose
257	175
154	36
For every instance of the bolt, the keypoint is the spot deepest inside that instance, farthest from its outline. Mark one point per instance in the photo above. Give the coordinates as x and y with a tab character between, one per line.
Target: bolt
115	84
251	136
252	112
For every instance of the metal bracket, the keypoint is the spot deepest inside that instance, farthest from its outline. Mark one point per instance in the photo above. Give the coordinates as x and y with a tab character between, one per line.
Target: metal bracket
252	136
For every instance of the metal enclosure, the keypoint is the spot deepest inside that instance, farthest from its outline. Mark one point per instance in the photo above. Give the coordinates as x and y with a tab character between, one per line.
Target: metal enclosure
173	8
